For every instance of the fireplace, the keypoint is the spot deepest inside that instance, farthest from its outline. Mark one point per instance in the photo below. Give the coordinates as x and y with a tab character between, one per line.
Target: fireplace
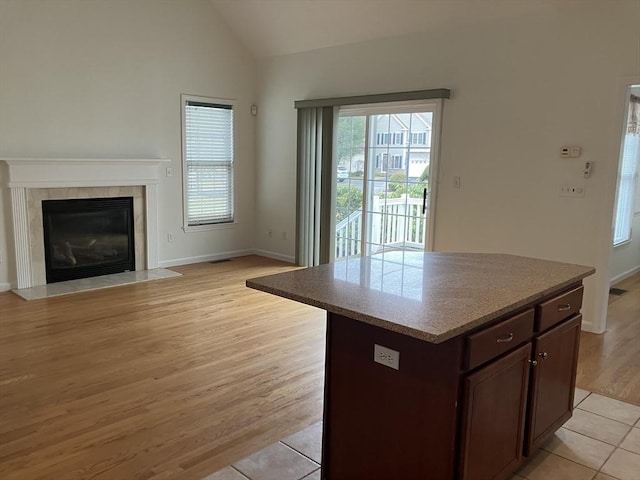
32	181
88	237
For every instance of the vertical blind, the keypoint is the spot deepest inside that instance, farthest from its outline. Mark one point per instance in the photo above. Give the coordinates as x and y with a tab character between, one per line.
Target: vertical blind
209	162
314	172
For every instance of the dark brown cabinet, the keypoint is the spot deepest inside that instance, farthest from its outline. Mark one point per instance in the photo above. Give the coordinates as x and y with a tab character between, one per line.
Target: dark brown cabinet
495	399
514	403
469	408
553	381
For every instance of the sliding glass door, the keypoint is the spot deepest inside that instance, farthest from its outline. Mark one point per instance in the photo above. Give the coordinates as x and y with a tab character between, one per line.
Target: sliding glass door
385	170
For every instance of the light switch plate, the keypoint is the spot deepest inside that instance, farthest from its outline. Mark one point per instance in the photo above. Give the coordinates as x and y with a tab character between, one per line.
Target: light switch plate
387	357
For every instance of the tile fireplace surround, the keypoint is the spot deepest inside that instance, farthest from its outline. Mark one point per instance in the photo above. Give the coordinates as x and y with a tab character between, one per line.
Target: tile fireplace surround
32	180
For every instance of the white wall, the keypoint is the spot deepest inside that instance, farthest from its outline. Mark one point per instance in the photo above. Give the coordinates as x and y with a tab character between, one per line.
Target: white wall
102	79
625	258
522	89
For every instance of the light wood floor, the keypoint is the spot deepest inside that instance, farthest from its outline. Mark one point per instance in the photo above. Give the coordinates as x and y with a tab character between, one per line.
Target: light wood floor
177	378
610	363
174	378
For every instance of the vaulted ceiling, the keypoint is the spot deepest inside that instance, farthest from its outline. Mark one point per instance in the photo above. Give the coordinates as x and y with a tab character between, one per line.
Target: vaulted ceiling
280	27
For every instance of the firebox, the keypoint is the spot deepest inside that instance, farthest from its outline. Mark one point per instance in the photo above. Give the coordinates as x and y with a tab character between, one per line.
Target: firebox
88	237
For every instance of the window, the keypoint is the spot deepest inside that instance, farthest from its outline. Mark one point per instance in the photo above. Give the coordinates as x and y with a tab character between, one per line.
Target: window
386	210
419	138
398	138
626	185
207	150
383	138
627	177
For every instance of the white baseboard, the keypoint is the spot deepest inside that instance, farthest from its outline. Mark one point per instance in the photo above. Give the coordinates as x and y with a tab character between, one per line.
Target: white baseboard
588	327
5	287
623	275
205	258
274	255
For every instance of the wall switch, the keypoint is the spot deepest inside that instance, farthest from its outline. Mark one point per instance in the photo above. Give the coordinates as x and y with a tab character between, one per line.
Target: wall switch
169	171
571	190
570	152
456	182
387	357
169	237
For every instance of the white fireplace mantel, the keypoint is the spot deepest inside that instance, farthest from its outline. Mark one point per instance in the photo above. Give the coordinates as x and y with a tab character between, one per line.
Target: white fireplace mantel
30	173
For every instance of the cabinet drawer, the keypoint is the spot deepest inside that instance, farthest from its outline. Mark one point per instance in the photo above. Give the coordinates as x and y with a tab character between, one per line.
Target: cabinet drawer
557	309
493	341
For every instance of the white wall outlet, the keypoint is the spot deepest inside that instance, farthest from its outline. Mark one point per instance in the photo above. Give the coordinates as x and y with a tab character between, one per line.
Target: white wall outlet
387	357
567	190
588	166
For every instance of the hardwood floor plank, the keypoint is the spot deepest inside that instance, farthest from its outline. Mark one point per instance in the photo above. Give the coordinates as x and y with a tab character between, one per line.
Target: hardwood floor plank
610	363
176	377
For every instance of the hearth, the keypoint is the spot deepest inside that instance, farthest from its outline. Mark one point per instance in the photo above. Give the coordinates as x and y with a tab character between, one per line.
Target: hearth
88	237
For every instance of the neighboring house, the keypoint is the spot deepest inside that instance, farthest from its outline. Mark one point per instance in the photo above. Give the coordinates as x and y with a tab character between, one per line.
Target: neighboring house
402	143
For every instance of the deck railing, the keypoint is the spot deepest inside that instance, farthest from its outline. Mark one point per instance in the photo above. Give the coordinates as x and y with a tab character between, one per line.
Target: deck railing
393	222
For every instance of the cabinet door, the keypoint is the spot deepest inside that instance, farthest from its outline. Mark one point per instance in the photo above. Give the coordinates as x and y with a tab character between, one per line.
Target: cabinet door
553	381
493	417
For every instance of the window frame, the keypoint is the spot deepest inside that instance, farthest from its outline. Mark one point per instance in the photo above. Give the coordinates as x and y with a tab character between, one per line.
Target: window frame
434	132
184	98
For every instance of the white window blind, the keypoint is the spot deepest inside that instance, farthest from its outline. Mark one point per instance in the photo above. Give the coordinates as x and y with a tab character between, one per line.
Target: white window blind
208	151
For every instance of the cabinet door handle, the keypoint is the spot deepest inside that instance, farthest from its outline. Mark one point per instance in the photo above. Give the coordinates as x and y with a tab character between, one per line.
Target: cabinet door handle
564	308
533	362
544	355
506	339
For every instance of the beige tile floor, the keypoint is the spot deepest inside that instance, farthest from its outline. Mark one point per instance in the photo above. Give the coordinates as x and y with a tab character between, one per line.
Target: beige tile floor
600	442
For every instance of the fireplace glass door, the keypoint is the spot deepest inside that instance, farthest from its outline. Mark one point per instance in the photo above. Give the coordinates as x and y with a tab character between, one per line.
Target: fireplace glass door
88	237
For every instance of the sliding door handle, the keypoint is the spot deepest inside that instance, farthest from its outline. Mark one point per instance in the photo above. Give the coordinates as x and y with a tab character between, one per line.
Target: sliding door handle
424	201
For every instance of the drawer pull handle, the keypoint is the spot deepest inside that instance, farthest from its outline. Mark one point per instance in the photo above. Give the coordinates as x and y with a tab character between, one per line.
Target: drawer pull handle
505	339
564	308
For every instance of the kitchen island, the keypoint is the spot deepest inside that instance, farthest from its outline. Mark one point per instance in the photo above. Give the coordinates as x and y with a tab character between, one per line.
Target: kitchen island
441	366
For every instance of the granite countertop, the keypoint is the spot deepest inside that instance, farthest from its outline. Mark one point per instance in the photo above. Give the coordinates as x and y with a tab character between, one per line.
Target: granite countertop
429	296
